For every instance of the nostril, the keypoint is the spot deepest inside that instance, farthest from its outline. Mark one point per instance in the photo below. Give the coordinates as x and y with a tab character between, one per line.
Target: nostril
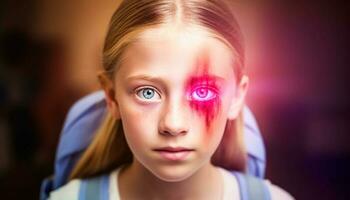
173	132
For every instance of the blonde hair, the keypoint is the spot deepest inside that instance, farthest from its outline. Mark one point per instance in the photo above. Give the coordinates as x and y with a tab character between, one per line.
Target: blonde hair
109	149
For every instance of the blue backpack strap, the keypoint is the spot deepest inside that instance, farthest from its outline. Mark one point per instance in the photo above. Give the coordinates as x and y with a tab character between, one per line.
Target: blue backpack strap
82	121
46	188
96	188
252	188
254	144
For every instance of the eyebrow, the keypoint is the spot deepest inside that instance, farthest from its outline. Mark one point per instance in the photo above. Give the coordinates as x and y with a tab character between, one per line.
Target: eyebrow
144	77
206	78
194	79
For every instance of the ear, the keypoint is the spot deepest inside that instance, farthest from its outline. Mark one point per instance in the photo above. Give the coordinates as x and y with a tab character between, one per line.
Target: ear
107	86
237	101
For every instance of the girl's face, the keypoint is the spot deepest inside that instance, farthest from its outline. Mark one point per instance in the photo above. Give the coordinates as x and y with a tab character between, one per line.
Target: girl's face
174	91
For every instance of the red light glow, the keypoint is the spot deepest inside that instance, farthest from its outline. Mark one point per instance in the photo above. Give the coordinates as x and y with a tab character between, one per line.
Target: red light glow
204	96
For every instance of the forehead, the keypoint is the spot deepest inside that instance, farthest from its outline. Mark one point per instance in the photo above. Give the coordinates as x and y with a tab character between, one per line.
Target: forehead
178	51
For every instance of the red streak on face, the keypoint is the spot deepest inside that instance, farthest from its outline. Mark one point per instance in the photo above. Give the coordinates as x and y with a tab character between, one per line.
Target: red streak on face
204	96
203	91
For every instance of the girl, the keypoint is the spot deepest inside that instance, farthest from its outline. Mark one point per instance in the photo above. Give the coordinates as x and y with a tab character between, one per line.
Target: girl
175	86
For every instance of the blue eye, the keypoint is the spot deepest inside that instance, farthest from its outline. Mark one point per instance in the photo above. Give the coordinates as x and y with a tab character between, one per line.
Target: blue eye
148	94
203	94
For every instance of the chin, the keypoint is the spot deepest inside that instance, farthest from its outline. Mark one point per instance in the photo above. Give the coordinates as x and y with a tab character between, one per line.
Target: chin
173	173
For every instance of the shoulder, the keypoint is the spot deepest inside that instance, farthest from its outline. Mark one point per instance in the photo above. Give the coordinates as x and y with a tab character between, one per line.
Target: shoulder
98	186
68	191
277	193
242	182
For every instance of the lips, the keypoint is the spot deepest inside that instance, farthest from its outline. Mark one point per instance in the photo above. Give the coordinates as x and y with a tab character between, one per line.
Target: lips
174	153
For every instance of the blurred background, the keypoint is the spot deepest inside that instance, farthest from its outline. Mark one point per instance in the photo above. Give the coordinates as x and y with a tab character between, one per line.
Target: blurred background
297	60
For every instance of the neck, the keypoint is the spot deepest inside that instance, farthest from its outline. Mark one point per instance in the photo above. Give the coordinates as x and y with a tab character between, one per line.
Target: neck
137	182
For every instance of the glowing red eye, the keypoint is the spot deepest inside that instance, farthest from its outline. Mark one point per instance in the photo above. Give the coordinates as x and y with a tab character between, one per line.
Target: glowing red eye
203	94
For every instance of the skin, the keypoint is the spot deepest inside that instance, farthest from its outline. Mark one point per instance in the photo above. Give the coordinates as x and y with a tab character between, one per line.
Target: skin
189	76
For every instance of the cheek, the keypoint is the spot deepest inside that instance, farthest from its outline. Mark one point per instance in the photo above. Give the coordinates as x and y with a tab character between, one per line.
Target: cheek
131	132
213	117
213	124
138	136
136	125
207	110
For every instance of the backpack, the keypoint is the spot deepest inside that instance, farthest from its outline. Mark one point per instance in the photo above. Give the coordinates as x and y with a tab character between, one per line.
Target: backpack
85	116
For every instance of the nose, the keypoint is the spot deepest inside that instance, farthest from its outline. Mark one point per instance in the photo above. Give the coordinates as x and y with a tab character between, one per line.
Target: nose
174	120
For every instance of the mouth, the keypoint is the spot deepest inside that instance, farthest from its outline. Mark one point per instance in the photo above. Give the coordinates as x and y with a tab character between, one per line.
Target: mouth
174	153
